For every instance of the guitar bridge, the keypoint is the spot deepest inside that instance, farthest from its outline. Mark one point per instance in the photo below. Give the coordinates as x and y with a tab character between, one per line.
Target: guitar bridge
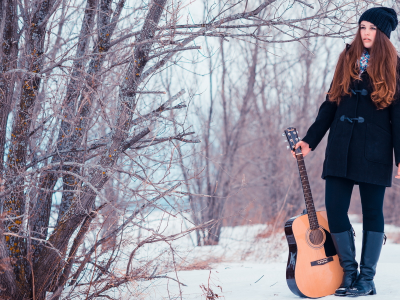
321	262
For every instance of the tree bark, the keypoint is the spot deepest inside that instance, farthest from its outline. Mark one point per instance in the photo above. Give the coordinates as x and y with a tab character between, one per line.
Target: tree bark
8	61
15	203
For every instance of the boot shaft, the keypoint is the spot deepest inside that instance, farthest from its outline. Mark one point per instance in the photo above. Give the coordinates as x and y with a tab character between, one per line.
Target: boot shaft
346	250
371	250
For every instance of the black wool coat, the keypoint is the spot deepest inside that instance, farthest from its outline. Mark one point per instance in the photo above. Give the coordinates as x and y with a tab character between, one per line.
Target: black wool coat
362	149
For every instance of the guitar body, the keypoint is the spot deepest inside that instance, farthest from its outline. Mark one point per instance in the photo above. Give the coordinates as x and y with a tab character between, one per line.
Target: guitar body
313	268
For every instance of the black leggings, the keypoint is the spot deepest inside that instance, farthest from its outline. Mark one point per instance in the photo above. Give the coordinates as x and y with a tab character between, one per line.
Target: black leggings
337	201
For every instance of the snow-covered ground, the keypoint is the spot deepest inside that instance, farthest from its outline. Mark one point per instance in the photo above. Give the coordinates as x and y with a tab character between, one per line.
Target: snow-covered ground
245	273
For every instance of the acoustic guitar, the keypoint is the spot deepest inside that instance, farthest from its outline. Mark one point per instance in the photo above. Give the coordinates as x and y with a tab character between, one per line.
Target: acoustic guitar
313	268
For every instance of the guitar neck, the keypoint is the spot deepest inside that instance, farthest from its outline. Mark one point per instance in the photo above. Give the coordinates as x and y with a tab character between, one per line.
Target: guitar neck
312	216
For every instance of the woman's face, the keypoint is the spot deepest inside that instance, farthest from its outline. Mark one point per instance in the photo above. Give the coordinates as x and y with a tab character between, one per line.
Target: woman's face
368	33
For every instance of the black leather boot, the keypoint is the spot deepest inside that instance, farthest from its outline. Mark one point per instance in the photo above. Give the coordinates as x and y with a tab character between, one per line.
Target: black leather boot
371	250
346	250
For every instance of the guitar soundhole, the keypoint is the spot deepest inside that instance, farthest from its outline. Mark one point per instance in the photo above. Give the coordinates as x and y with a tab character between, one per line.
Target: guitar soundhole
316	238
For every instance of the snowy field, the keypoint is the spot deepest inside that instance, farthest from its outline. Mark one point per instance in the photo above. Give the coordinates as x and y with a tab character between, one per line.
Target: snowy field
245	271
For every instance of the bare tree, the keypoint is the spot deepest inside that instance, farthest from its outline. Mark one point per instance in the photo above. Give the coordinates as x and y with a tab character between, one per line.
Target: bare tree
256	89
81	114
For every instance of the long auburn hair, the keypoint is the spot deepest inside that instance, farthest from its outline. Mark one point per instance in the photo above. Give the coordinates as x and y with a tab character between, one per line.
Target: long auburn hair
382	67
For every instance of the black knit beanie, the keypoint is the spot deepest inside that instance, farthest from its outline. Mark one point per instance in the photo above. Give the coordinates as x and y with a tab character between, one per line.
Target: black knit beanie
384	18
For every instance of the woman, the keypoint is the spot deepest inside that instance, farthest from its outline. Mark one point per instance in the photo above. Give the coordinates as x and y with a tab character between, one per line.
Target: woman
363	115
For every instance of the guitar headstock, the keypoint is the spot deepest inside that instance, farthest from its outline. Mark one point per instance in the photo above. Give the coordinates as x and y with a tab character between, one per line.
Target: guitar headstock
292	138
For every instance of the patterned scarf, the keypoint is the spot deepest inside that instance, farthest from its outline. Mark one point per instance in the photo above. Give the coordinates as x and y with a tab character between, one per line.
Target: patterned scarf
364	61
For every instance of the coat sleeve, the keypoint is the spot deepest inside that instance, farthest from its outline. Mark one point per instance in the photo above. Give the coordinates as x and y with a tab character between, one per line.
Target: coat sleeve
394	109
323	121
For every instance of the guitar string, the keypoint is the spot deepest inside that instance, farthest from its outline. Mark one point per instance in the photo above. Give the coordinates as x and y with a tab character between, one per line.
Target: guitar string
312	215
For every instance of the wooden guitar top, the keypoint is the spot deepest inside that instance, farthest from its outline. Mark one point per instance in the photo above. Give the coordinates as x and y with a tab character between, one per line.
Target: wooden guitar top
315	275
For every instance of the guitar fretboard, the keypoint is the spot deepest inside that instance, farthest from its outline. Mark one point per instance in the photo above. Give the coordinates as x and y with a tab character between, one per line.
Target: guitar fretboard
312	216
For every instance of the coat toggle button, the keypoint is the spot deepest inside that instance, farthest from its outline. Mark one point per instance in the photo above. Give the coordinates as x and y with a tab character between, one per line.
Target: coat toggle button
363	92
359	119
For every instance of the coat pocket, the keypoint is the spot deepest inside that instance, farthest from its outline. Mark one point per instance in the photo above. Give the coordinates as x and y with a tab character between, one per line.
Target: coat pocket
378	145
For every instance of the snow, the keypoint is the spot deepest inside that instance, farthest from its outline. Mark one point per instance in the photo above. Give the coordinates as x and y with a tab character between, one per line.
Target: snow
245	273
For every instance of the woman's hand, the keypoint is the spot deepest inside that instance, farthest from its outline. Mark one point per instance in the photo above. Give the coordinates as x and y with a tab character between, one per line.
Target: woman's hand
305	149
398	172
